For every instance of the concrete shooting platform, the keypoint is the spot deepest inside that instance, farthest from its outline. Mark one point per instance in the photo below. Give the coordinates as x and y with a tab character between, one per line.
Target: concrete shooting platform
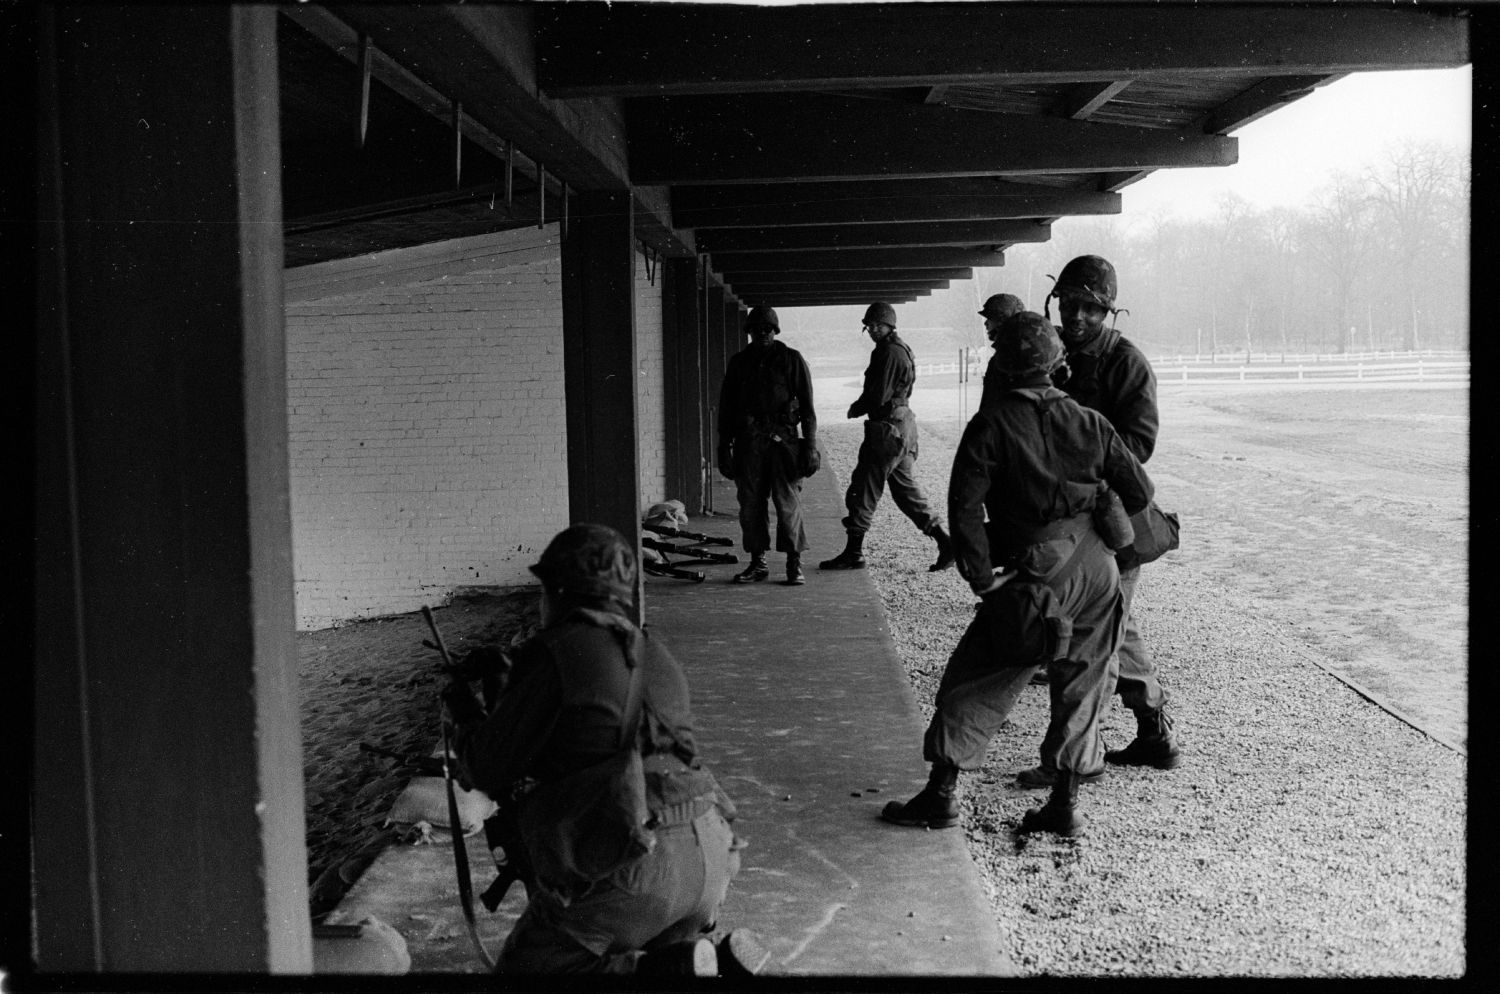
805	713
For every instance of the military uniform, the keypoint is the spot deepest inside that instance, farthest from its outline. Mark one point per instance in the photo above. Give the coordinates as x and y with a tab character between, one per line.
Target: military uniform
889	450
1112	376
764	400
1032	462
562	712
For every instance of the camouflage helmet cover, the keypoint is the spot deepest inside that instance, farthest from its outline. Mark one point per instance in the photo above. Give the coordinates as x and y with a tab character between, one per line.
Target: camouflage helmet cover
1027	343
1001	306
880	313
762	316
591	560
1091	277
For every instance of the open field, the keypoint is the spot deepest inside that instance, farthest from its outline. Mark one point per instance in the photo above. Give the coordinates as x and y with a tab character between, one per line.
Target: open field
1341	513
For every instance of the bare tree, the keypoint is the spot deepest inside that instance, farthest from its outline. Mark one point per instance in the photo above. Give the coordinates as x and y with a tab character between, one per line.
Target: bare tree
1340	239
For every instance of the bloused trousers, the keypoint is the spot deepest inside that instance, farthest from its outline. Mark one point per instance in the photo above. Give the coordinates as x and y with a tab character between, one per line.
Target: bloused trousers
1135	680
888	453
670	895
766	470
984	677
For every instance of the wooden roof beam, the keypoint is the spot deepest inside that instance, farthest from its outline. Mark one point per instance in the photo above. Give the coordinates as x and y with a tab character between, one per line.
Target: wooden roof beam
667	49
870	236
876	286
1081	100
874	259
959	198
835	276
811	137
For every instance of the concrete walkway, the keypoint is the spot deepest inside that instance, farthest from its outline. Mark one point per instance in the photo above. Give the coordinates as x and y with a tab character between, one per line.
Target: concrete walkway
805	714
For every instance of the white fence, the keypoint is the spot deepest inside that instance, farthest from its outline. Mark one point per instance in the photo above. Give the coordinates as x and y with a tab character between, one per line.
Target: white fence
1260	367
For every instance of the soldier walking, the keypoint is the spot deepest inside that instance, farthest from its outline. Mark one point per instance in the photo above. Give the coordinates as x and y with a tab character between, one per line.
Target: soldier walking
889	450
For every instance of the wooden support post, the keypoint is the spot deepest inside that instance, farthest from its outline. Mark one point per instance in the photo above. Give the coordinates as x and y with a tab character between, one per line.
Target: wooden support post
599	365
541	195
169	836
510	174
713	319
688	454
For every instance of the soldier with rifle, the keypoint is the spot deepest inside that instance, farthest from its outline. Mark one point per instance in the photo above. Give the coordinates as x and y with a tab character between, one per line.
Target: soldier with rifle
590	750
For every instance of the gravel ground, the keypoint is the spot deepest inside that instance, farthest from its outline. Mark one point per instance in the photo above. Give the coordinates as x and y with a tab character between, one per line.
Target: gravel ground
1307	833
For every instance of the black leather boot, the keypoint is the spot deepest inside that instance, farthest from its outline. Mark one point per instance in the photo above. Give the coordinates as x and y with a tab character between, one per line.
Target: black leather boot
694	958
794	577
853	556
945	557
1059	814
935	806
1154	744
741	954
755	572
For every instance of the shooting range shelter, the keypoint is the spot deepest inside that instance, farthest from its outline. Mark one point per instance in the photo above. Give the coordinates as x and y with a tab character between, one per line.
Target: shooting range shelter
341	308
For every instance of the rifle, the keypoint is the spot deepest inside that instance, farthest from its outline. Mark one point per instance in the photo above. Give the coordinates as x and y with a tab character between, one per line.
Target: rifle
460	847
698	537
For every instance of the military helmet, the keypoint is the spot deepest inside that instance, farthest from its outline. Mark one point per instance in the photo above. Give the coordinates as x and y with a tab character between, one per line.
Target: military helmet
1091	277
591	560
1001	306
1027	343
880	313
762	316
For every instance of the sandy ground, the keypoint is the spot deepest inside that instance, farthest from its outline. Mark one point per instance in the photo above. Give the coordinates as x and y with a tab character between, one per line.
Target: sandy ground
373	681
1342	512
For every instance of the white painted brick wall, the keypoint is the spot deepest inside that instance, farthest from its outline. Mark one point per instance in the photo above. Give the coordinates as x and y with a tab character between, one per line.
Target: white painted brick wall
428	437
650	402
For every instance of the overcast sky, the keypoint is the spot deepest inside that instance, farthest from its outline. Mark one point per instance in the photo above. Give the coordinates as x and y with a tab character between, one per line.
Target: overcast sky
1291	152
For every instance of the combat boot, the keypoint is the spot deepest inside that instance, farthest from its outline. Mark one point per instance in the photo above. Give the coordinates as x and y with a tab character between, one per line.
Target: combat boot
945	555
794	576
756	571
742	954
694	958
853	556
935	806
1154	744
1060	813
1046	776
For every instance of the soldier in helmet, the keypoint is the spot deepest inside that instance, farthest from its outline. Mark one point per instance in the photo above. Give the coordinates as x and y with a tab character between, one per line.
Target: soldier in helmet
889	450
587	683
1109	374
765	400
1021	499
996	309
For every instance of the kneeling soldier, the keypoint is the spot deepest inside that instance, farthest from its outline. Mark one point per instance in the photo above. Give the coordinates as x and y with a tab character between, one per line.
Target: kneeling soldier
1033	459
587	689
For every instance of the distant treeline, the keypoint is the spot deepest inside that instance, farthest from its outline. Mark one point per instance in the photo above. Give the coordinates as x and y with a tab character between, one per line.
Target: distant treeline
1376	261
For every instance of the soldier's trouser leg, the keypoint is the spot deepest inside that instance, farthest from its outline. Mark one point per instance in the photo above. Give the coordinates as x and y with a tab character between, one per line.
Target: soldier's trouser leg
878	455
1138	685
753	490
909	497
1097	607
973	700
669	896
1080	691
786	495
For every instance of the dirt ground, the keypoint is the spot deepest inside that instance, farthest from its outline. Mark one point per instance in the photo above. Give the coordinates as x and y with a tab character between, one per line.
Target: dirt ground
373	681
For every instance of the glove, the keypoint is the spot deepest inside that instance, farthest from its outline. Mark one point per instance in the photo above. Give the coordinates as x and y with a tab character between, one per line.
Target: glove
811	459
726	460
459	703
986	588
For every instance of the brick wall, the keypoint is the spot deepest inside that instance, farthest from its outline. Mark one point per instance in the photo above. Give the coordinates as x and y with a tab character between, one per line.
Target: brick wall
428	444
